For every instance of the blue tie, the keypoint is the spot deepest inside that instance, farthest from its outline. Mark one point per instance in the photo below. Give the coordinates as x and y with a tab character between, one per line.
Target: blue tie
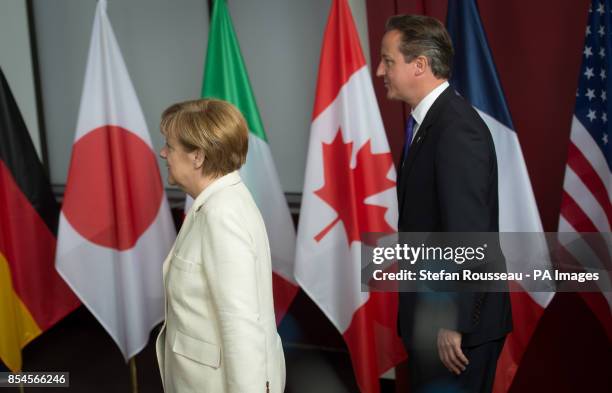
409	134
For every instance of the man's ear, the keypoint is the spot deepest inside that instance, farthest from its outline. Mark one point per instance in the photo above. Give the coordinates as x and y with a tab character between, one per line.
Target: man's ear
421	63
198	159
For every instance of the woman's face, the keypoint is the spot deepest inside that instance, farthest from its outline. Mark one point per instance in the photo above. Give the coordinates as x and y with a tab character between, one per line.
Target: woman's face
181	164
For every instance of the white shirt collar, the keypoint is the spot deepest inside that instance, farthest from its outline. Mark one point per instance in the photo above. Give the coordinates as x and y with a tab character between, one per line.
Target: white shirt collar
420	111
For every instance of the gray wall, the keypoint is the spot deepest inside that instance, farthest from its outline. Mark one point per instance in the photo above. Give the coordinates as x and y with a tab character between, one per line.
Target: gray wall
164	43
163	46
16	62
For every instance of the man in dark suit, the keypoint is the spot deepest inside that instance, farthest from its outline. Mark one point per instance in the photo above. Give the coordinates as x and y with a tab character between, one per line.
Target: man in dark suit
447	182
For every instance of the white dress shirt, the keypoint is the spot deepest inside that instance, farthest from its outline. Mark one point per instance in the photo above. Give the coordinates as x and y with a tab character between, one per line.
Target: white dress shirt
420	111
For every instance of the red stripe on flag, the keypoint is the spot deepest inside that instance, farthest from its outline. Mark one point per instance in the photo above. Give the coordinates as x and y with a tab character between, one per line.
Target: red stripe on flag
528	312
372	340
341	55
585	171
284	292
29	248
572	212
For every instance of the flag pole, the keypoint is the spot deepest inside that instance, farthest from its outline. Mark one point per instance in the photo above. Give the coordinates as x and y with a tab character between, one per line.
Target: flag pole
133	374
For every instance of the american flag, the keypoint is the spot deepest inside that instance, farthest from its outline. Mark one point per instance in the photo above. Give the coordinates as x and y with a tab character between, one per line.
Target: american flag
585	205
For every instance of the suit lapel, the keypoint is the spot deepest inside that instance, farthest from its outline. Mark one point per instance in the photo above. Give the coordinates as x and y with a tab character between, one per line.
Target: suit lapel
413	152
430	118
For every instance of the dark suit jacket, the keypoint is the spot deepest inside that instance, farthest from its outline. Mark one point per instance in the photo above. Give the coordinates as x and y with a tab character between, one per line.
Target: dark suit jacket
448	183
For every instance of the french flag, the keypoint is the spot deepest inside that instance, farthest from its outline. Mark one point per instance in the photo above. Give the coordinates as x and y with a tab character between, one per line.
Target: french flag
475	78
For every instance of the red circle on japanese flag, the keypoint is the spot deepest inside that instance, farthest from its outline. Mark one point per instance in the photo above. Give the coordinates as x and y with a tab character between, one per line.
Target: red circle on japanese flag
114	187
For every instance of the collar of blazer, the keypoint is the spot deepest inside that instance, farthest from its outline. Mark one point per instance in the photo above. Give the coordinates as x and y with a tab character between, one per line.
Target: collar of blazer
230	179
432	115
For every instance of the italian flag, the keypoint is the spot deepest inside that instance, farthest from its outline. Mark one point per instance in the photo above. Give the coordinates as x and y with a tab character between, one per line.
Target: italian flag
226	78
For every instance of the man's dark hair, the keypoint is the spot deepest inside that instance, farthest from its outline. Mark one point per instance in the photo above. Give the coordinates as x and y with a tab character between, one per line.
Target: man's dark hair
424	36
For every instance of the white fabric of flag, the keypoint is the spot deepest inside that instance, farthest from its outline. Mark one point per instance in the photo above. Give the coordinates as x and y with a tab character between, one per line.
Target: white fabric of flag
115	227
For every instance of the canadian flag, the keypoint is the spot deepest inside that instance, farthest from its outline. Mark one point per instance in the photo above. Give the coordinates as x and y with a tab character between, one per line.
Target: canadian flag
115	226
349	190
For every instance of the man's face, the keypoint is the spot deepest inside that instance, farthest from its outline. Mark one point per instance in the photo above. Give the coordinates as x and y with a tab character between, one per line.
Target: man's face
398	75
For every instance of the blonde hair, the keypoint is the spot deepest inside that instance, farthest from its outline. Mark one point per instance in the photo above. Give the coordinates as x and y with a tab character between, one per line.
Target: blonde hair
215	127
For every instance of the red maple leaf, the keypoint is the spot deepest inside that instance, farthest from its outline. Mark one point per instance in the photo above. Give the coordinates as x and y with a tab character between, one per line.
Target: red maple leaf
346	189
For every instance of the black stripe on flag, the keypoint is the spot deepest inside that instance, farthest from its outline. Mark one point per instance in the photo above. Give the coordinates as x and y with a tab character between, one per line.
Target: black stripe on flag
18	154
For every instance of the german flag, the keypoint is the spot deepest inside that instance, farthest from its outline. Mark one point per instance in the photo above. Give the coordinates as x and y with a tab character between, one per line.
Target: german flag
33	297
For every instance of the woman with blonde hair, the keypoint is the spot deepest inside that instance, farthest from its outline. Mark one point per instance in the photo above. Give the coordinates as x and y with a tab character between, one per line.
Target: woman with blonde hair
220	331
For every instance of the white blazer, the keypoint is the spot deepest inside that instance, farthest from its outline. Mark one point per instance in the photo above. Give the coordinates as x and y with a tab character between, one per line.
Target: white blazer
220	331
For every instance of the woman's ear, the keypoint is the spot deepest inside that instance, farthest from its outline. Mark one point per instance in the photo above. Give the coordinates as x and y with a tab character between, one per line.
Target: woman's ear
198	159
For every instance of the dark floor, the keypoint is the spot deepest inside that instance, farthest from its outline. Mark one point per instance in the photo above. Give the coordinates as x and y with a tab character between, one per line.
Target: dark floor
79	344
569	353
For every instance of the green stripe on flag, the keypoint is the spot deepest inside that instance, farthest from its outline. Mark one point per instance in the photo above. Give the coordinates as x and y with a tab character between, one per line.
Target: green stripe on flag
225	75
